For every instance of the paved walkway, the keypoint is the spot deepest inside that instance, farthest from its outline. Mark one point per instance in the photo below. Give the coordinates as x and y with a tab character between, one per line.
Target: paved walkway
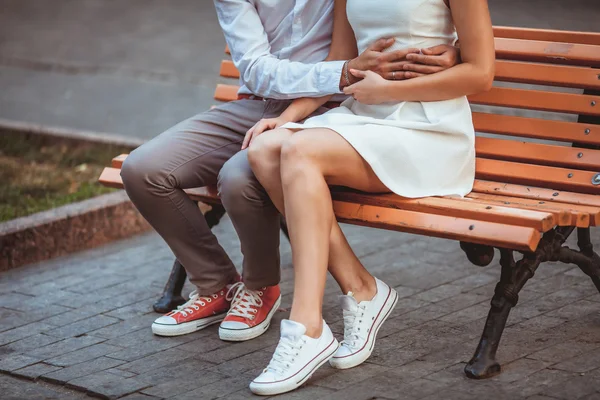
84	321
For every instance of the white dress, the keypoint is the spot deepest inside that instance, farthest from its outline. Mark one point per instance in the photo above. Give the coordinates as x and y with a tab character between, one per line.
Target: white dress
417	149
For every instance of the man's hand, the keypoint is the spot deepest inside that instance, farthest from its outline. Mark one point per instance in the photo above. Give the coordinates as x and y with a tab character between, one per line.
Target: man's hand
431	61
374	59
261	126
405	63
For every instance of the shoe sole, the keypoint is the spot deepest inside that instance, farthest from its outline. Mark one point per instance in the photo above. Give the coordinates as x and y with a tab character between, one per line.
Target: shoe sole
360	357
186	327
271	389
240	335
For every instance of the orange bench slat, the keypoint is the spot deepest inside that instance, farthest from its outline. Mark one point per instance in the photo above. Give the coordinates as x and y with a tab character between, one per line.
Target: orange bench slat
535	153
489	233
537	128
536	175
228	69
546	74
548	52
535	193
539	100
457	207
566	214
226	92
548	35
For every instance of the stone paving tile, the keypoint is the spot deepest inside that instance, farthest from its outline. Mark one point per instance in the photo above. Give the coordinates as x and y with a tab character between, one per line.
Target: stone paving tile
13	362
338	380
82	355
582	363
574	310
520	369
184	383
124	327
252	362
31	342
108	385
214	390
143	349
82	369
564	351
157	360
36	370
63	347
178	371
22	332
540	323
120	372
16	389
81	327
575	388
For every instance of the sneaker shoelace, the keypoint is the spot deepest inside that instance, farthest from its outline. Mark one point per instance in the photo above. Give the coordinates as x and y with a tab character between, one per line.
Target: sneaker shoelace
353	336
285	354
244	302
194	303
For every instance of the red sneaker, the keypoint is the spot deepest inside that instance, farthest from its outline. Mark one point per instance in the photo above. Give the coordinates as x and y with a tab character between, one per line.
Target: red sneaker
251	312
198	313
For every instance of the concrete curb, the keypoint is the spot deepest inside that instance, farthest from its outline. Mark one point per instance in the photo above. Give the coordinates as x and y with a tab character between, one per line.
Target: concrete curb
67	229
73	227
69	134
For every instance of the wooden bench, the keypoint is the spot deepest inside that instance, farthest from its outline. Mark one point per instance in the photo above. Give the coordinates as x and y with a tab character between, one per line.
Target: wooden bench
529	196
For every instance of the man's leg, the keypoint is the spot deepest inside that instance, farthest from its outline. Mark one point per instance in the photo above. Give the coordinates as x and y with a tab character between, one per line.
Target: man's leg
188	155
255	219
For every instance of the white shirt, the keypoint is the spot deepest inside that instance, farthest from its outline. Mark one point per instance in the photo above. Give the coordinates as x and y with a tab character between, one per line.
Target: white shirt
279	46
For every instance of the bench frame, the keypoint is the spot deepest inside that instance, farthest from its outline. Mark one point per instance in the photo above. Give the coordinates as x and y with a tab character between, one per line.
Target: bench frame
514	274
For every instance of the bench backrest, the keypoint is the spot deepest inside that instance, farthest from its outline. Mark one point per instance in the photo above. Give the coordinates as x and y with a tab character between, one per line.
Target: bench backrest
547	90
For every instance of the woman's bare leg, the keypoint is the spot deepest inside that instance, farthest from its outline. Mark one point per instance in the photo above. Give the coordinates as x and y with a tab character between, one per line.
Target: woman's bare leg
344	266
310	161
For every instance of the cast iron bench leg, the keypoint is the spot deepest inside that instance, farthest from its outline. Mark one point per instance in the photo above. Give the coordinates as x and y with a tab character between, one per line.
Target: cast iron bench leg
513	277
171	297
586	259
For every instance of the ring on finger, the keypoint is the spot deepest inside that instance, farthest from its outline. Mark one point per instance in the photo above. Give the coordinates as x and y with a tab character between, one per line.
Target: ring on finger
393	75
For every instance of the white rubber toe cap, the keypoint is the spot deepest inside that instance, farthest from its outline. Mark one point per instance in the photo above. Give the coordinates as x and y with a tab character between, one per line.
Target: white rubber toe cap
265	378
165	320
343	351
233	325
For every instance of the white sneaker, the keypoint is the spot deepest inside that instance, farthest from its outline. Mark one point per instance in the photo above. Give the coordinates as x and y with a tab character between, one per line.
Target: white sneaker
361	324
296	358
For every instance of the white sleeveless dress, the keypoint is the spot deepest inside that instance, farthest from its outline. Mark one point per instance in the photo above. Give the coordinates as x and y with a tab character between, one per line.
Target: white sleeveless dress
417	149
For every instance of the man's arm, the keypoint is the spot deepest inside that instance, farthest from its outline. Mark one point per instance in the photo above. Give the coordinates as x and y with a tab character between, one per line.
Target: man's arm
263	73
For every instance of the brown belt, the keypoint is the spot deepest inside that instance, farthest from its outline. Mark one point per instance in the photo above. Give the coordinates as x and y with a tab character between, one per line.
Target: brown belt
244	96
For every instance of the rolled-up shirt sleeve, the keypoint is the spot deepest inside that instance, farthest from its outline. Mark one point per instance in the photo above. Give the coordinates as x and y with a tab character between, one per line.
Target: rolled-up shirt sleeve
263	73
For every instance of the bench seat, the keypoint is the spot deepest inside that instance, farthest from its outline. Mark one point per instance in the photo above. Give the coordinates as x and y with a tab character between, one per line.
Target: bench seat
537	174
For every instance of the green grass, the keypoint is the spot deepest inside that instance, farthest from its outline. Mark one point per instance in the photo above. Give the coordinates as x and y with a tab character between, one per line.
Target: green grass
37	174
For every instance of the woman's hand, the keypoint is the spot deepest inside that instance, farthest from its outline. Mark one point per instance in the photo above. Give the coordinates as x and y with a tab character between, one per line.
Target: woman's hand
431	60
370	90
261	126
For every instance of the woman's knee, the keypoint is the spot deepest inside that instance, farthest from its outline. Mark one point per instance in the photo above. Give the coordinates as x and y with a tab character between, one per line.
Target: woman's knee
264	152
298	155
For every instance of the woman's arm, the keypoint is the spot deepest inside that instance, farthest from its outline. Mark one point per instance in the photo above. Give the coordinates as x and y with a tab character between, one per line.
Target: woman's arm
474	75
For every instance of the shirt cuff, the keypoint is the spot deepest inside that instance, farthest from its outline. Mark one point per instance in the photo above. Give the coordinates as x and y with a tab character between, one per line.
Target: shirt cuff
329	77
